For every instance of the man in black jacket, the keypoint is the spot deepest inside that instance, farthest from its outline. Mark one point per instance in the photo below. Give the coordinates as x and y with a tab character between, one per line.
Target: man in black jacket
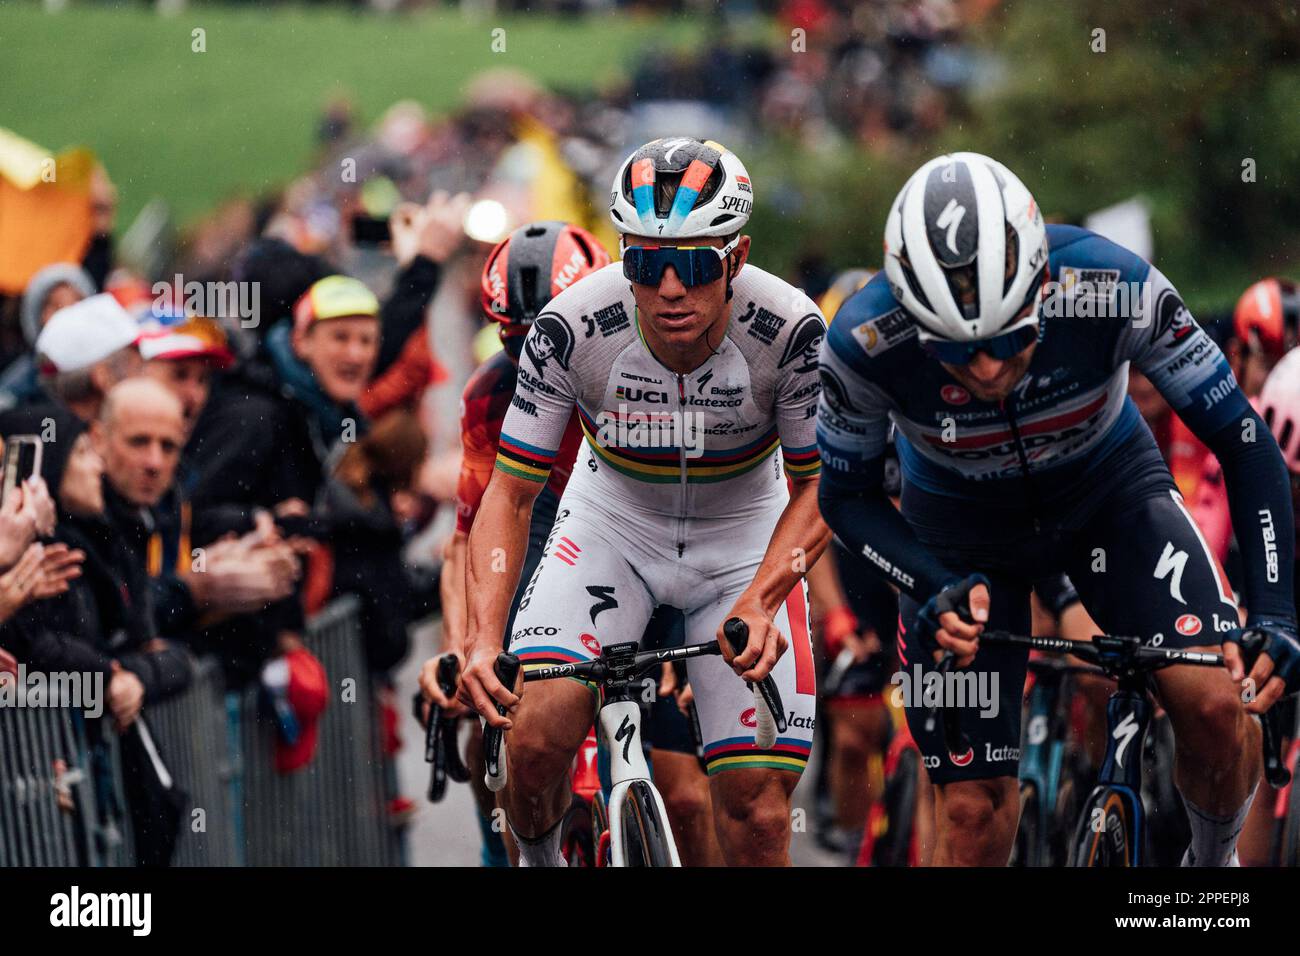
104	624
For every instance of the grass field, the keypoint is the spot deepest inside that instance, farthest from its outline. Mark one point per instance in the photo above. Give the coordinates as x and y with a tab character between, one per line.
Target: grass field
195	128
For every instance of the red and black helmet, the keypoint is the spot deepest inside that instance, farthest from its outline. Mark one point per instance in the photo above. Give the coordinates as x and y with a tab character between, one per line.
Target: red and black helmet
534	264
1268	316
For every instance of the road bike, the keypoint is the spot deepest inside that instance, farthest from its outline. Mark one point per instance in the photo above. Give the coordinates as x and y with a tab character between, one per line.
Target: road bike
632	826
1112	828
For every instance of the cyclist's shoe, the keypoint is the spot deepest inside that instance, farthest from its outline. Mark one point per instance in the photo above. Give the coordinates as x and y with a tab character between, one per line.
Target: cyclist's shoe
955	596
1278	641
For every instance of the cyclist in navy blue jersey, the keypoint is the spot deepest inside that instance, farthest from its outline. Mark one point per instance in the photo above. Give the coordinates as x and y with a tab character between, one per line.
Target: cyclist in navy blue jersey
1000	349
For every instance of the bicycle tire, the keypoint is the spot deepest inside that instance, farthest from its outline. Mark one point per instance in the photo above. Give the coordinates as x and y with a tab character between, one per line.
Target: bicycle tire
1108	845
599	826
1069	804
645	832
1289	845
578	835
1027	850
894	847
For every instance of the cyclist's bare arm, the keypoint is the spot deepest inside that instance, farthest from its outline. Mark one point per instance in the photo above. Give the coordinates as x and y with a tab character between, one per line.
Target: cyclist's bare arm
452	588
797	542
498	544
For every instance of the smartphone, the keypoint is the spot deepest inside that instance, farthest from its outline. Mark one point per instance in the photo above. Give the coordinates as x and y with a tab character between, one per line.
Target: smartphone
22	460
370	230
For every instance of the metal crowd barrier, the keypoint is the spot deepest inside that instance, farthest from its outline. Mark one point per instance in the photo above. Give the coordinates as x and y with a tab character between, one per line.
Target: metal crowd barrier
61	800
220	749
190	732
332	812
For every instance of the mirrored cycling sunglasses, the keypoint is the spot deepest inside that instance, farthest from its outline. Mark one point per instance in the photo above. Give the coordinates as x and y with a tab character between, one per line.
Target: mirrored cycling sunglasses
1001	347
694	265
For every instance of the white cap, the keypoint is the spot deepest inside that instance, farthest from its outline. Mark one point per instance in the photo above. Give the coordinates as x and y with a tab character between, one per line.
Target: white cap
84	333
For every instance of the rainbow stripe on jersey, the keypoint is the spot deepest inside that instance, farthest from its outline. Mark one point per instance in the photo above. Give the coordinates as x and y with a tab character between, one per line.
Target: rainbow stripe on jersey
740	753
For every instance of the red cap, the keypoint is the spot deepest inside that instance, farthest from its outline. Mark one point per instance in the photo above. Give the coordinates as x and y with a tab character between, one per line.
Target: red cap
308	695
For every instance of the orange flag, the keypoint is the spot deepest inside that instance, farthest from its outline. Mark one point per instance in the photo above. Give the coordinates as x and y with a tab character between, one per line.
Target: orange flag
45	214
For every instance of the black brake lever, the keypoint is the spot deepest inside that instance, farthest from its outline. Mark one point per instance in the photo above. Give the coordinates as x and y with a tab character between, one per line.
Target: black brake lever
1275	770
737	634
448	678
506	669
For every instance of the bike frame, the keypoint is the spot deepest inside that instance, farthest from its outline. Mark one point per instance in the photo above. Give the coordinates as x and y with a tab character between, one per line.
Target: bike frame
1128	717
620	733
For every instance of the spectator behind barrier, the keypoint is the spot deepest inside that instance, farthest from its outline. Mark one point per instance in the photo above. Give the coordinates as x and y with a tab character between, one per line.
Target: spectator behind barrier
53	288
84	350
102	623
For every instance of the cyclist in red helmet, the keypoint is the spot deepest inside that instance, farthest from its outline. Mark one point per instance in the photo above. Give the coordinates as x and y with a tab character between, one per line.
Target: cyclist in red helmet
522	274
1266	325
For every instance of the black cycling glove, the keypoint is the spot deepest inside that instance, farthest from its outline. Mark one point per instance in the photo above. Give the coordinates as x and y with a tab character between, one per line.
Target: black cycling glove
1275	639
954	596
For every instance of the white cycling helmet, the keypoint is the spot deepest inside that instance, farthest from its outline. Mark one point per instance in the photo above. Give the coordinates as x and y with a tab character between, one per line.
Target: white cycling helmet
681	188
1279	405
966	249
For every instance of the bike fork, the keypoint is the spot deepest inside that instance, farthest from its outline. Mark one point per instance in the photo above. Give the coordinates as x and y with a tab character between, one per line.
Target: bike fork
620	730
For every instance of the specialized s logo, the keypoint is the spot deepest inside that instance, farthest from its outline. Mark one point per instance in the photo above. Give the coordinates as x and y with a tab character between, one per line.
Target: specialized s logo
551	338
805	343
604	595
626	731
949	220
1171	565
704	380
1124	732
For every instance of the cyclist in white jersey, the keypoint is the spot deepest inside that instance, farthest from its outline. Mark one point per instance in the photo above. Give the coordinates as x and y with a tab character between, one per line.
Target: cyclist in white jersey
695	382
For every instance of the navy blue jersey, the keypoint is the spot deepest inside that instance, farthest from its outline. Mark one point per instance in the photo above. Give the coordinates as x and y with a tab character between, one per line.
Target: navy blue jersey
1108	308
1066	438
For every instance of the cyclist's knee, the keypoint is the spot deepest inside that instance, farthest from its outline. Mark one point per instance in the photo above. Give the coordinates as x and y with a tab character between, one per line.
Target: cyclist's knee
535	758
548	729
977	810
756	800
1212	720
685	798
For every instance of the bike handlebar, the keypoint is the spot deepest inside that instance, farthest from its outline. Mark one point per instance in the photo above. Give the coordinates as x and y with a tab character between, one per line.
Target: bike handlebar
1114	656
616	665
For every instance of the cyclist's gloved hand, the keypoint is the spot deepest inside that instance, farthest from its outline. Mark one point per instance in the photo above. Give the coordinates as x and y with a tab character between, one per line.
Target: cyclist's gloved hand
1268	652
954	597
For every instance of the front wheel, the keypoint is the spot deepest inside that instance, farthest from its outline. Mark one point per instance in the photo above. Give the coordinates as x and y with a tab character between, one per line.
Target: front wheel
1107	833
578	836
645	832
1289	841
1028	848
